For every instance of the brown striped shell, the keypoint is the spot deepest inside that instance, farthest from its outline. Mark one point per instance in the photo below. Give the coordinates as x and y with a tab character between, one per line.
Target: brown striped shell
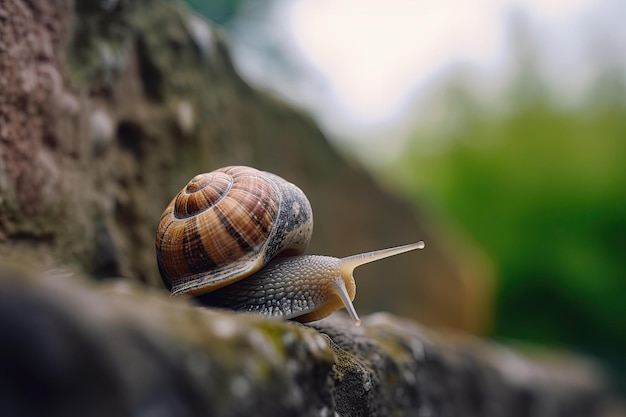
227	224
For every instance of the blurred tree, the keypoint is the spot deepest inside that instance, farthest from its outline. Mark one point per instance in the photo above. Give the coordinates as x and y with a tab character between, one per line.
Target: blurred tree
223	12
543	189
219	11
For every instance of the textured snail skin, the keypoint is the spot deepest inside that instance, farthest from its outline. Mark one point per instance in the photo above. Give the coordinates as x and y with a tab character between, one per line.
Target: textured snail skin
299	287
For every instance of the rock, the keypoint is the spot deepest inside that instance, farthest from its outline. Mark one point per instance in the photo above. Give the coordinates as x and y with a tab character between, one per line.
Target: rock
73	348
108	108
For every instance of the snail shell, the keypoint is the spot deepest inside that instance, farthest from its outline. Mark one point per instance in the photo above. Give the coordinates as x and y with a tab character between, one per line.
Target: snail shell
235	238
227	224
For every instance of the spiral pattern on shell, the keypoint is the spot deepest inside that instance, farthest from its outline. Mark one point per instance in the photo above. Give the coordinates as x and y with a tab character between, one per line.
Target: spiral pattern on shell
226	225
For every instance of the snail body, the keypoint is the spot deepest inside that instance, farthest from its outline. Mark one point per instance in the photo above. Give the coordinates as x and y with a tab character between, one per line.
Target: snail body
235	238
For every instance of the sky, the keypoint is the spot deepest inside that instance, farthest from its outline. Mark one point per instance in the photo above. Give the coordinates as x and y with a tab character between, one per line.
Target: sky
360	66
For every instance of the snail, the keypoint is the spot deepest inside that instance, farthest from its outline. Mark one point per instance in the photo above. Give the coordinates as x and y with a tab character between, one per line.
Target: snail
236	237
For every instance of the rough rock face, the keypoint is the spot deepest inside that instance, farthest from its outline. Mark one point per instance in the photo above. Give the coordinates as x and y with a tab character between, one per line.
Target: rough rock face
107	108
70	348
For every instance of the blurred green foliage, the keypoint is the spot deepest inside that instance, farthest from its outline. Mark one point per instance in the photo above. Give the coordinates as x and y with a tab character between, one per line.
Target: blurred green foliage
219	11
224	12
542	188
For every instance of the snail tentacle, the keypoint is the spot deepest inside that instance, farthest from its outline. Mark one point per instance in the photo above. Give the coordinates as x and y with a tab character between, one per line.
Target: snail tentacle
342	293
349	263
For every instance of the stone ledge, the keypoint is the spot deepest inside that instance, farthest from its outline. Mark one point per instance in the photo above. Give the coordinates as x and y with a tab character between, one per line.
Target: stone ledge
73	348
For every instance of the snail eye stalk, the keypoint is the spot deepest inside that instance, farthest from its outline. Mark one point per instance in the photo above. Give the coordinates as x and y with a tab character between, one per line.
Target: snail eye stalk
349	264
